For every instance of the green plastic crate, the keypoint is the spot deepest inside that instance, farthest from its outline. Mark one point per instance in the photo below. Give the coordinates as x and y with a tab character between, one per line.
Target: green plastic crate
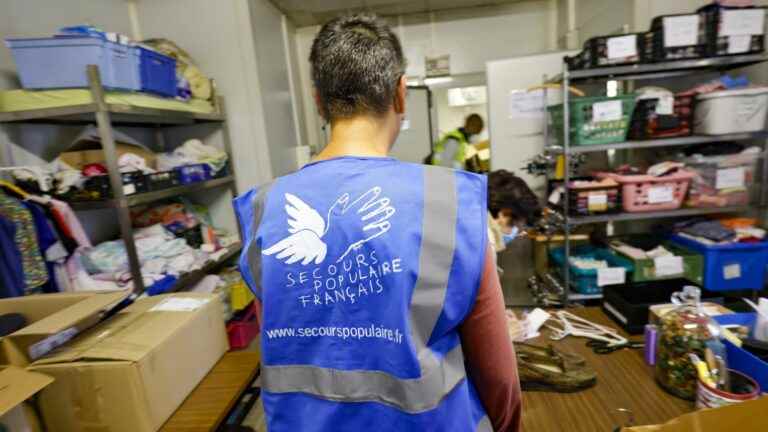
693	265
585	131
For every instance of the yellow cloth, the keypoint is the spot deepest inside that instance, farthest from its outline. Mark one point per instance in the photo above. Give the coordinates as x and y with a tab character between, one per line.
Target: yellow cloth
22	100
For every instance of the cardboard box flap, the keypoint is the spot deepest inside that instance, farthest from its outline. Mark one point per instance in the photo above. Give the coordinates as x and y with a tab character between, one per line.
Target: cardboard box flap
18	385
132	333
70	316
36	307
99	343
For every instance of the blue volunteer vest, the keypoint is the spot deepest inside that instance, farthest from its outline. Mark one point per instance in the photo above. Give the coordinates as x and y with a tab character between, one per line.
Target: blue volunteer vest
365	268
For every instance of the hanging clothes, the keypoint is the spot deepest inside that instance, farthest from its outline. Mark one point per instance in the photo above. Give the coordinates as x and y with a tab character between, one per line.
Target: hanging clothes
71	224
35	273
51	248
11	272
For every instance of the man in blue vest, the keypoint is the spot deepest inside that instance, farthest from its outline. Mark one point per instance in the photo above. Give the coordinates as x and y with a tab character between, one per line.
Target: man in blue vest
381	307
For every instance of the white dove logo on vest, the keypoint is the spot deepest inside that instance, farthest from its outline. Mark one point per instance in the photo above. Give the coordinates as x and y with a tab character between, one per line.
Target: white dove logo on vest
307	228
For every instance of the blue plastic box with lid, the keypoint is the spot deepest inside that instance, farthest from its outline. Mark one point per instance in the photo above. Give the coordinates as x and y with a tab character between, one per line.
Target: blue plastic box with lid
61	62
729	267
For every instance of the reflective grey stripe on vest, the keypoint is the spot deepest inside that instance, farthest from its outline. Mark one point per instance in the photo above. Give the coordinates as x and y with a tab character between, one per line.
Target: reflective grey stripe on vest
254	250
484	425
438	376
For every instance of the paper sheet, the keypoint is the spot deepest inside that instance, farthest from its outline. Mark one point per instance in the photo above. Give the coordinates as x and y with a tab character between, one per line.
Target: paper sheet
622	46
668	266
661	194
526	105
729	178
611	276
607	111
738	44
681	30
742	22
179	304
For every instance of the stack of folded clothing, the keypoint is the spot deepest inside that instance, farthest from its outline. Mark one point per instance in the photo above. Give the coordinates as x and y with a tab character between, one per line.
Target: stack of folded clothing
708	231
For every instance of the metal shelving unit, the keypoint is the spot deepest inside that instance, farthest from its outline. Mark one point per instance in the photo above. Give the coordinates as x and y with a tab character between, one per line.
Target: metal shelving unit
106	116
641	72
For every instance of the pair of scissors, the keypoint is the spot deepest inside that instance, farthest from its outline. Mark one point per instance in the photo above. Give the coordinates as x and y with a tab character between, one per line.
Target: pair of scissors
601	347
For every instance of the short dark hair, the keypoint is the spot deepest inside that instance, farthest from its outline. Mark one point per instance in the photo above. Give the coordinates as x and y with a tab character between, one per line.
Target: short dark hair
357	62
508	192
476	119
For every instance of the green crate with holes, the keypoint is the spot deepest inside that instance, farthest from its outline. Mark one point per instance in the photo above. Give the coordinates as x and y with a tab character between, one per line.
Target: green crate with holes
594	120
691	262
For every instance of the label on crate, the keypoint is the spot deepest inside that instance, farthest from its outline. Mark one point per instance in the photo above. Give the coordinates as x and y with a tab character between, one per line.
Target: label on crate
742	22
611	110
729	178
738	44
732	271
611	276
668	265
665	105
622	47
597	202
661	194
129	189
681	30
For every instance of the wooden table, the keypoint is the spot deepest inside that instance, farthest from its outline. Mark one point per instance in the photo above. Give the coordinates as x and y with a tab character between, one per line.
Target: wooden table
210	402
624	381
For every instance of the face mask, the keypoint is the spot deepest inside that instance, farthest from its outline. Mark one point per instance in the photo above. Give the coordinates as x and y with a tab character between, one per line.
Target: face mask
511	236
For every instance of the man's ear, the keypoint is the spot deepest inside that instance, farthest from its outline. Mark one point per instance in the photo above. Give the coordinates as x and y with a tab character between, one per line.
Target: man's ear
319	104
400	94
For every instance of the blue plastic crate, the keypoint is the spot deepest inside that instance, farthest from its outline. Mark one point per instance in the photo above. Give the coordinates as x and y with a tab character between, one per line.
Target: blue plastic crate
584	281
61	62
194	173
740	359
729	267
158	73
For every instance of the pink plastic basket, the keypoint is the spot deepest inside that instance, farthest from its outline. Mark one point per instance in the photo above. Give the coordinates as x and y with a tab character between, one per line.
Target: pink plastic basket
645	193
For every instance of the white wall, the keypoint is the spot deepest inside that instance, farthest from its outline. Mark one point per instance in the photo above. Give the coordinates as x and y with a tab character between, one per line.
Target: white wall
29	18
471	39
35	144
217	35
449	118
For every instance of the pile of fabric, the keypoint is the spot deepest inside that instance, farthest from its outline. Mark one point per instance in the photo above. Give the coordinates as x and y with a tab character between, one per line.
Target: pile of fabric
171	239
721	231
588	263
82	174
193	152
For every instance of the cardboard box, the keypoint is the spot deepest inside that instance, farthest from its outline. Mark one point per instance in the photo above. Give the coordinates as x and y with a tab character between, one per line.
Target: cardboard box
16	386
131	372
52	319
742	417
79	159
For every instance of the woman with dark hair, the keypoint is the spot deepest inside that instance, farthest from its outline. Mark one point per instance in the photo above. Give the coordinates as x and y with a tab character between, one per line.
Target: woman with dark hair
512	207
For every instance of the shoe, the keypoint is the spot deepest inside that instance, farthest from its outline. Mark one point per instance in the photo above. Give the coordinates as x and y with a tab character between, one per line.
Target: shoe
549	352
552	373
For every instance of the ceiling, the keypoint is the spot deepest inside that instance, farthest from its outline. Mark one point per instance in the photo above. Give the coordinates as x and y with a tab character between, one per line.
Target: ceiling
314	12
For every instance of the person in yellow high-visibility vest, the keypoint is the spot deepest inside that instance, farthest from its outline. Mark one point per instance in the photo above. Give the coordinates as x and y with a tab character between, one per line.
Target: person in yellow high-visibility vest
451	150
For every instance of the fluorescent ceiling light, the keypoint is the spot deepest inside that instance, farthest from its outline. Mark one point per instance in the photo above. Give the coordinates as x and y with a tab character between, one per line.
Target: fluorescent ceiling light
437	80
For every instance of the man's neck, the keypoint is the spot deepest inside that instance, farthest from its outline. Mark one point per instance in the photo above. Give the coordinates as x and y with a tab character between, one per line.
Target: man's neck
364	136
